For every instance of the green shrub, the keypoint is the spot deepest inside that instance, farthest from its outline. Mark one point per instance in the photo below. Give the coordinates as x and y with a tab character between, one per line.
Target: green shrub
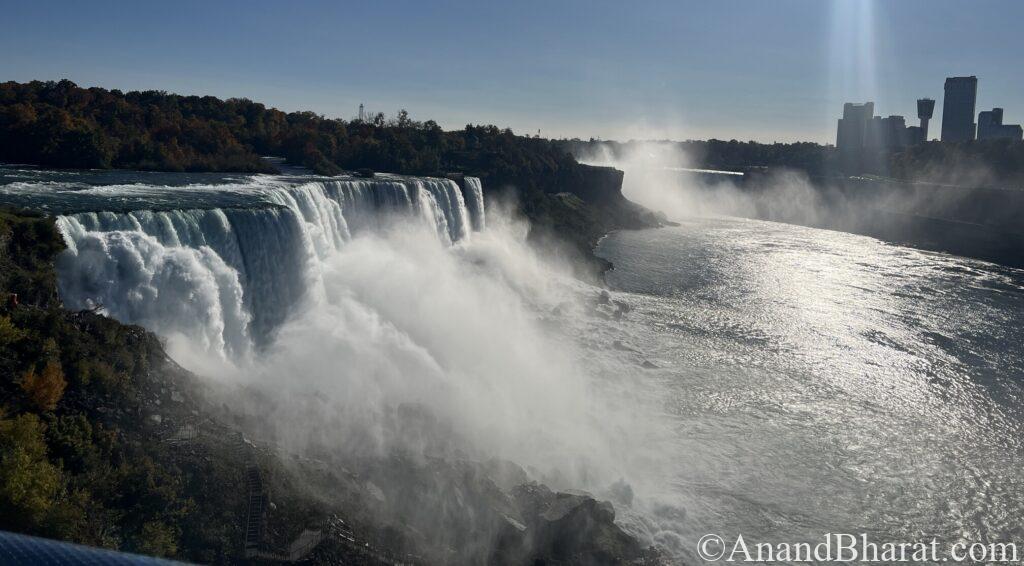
157	539
9	333
29	483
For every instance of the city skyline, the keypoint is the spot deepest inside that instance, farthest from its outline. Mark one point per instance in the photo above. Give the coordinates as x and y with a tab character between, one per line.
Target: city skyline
860	130
573	69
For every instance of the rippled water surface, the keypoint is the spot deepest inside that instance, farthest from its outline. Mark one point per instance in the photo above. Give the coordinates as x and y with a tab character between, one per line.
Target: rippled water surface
825	382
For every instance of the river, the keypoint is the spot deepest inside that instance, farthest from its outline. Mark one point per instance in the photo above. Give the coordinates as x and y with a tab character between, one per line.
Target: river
741	377
827	382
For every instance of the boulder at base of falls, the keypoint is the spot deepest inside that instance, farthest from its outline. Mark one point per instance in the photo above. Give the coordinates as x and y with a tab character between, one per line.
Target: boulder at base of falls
572	528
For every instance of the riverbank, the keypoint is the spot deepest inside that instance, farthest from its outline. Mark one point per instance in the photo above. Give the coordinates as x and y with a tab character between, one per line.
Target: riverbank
982	223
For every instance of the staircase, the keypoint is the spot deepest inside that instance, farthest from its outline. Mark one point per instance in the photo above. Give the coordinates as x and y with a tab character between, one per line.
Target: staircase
254	516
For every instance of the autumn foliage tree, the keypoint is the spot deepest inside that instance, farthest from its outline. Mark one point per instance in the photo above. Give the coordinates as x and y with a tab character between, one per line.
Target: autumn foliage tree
44	388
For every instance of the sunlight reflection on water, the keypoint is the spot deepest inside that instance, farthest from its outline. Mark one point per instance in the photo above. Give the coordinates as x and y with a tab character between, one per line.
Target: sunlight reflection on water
826	382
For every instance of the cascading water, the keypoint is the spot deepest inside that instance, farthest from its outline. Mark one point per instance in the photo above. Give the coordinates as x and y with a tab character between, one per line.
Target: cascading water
225	278
354	285
475	202
178	273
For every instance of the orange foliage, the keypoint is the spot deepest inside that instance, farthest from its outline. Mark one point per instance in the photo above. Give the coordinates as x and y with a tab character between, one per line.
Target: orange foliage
45	388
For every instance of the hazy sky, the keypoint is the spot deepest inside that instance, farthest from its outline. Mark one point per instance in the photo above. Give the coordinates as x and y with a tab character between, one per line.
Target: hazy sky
764	70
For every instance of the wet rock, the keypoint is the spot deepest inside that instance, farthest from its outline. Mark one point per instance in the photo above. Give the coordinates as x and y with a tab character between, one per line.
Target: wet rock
565	505
572	527
514	523
505	474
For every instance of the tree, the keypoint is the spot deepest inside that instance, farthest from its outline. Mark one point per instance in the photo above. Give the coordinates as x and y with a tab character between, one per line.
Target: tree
157	539
403	118
9	333
44	389
29	483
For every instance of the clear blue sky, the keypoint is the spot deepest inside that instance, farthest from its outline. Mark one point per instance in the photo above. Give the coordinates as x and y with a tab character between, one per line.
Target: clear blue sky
759	69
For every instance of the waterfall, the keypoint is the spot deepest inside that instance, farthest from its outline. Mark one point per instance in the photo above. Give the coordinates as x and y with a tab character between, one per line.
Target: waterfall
224	279
171	289
475	202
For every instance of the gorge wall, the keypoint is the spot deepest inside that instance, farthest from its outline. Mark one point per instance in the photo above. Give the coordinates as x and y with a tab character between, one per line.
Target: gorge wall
975	222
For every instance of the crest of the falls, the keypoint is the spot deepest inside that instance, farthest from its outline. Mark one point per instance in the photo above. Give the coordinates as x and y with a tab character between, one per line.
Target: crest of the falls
224	278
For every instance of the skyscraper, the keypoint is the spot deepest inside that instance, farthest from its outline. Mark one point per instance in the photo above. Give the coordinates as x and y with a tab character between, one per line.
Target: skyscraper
852	134
958	109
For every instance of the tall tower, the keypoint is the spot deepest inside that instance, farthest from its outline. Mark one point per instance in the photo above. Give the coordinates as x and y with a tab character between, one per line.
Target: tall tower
958	109
925	108
362	114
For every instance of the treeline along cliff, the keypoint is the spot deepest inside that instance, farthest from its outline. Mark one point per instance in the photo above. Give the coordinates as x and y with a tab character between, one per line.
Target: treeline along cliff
58	124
